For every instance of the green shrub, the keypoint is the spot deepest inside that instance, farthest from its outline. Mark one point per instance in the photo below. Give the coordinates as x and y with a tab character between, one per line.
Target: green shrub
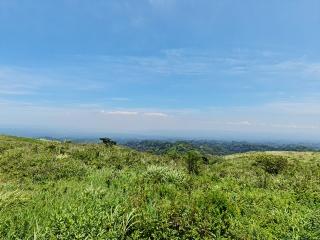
193	159
272	164
86	155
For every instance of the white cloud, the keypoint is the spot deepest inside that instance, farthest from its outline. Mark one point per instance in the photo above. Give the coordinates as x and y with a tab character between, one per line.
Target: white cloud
135	113
260	121
18	81
303	108
299	113
240	123
309	70
204	66
155	114
127	113
15	80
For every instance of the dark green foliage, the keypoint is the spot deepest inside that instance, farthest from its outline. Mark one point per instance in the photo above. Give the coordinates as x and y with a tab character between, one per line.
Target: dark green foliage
193	160
108	142
205	159
177	148
272	164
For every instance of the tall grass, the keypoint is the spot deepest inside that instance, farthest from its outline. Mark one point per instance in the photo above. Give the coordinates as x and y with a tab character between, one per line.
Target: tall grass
51	190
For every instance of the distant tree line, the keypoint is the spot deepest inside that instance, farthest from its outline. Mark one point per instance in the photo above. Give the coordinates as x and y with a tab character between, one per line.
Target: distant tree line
210	147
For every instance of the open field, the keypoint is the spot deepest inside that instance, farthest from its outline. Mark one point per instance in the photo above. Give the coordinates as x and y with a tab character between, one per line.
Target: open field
51	190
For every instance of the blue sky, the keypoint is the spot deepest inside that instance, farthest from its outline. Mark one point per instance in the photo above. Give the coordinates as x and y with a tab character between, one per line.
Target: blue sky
165	67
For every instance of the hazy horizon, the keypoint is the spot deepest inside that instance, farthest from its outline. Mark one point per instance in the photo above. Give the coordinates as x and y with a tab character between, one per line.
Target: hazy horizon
246	70
164	136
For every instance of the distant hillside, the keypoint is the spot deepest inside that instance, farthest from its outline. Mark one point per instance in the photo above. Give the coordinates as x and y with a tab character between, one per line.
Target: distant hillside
212	147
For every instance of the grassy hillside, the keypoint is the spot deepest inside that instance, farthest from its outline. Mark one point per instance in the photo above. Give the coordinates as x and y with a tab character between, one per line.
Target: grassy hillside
51	190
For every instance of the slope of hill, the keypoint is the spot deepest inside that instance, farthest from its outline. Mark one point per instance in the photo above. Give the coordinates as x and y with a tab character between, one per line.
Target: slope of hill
213	147
51	190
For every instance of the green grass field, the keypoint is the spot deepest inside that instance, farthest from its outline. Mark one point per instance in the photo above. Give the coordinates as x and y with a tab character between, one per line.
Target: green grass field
51	190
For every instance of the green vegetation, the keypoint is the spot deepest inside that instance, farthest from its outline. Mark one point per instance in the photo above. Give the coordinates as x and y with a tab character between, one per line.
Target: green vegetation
193	159
53	190
108	142
213	147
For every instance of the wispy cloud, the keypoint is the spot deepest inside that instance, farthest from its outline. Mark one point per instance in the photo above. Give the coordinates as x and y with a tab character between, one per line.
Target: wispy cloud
307	107
178	69
261	120
121	113
198	64
18	81
114	83
101	73
134	113
35	81
240	123
156	114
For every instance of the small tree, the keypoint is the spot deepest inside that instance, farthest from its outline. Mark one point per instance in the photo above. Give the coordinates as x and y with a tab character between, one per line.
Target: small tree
108	142
193	159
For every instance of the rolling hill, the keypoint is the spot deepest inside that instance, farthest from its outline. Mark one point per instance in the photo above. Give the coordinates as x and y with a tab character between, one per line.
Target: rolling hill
55	190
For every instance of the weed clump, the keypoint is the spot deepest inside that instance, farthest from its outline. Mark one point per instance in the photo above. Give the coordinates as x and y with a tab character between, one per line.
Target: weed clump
163	174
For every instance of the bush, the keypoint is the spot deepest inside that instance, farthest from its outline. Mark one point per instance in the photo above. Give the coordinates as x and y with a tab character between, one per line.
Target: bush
193	159
271	164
